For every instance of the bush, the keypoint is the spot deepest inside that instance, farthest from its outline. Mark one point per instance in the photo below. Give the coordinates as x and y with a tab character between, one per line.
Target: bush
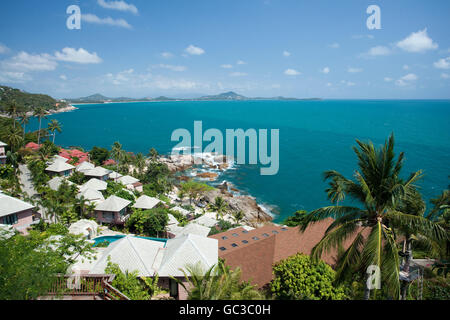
149	222
298	277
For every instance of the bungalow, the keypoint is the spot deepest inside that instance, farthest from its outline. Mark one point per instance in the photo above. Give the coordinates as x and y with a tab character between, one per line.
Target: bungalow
98	172
112	210
74	154
60	168
91	195
150	258
145	202
94	184
2	153
84	166
131	183
17	213
57	181
114	176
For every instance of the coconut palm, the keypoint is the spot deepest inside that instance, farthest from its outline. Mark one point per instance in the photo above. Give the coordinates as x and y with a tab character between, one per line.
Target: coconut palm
220	206
14	137
379	190
238	216
139	162
53	126
40	113
24	120
117	153
12	109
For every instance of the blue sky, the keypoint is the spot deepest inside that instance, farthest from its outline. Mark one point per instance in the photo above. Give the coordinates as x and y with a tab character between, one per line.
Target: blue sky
294	48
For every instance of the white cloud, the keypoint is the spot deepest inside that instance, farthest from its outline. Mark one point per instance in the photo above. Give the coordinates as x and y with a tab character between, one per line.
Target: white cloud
291	72
445	76
166	55
240	62
325	70
329	84
3	49
417	42
226	66
405	67
92	18
170	67
286	53
361	36
63	77
348	83
238	74
443	63
193	50
118	5
379	51
14	77
78	56
354	70
387	79
24	62
334	45
406	80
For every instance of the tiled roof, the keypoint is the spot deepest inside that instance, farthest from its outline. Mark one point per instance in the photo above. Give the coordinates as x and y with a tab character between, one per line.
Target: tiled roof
10	205
146	202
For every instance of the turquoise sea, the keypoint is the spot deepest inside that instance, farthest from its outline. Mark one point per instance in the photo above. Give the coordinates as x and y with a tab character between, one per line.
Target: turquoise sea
314	136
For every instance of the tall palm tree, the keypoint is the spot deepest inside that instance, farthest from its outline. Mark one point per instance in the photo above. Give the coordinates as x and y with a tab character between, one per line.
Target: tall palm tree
53	126
238	216
12	109
24	120
379	189
117	153
40	113
220	206
139	162
14	137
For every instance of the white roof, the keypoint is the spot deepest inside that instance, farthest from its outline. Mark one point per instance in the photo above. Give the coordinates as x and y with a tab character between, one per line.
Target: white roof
85	166
2	144
194	228
127	180
172	220
91	194
10	205
112	204
56	182
188	250
95	184
59	166
146	202
59	158
82	227
115	175
131	253
96	172
180	210
206	221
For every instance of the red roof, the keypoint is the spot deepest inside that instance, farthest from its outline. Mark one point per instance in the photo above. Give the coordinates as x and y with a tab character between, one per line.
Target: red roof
74	153
109	162
33	146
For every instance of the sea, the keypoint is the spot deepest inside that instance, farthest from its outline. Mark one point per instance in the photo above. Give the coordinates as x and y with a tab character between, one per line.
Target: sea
314	136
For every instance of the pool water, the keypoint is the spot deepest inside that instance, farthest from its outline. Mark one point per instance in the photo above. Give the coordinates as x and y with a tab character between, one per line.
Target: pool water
111	239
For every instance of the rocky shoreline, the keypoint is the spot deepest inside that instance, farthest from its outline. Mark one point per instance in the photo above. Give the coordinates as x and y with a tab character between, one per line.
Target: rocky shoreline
50	112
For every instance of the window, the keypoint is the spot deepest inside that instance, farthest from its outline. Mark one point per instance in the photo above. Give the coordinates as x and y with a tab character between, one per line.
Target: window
234	245
11	219
244	231
255	238
274	231
235	235
223	248
244	241
265	235
284	229
224	238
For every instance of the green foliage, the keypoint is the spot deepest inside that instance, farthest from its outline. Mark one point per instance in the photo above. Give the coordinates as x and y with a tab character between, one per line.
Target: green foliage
298	277
77	178
158	178
27	100
127	282
221	226
180	218
99	155
436	288
148	222
300	218
38	175
193	189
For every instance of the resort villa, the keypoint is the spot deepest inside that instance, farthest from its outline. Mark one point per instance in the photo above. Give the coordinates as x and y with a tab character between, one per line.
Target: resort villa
84	166
94	184
131	183
17	213
112	210
2	153
98	173
57	181
145	202
60	167
151	257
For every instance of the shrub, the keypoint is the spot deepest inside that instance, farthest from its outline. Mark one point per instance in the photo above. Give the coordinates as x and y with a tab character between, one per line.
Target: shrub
298	277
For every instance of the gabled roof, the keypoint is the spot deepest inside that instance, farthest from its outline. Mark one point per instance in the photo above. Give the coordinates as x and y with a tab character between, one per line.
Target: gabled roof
85	166
127	180
95	184
172	220
56	182
91	194
194	228
113	204
130	253
2	144
59	166
59	158
206	221
96	172
10	205
115	175
146	202
187	250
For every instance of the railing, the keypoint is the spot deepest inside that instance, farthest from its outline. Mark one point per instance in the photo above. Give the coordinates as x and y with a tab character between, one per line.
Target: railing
85	285
112	293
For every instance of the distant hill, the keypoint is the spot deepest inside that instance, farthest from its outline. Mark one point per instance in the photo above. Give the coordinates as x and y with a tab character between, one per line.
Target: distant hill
98	98
27	100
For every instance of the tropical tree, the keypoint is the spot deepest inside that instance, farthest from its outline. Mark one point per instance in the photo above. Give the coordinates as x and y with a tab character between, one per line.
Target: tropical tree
117	153
139	162
220	206
15	138
40	113
53	126
379	189
193	189
219	282
24	120
12	109
238	216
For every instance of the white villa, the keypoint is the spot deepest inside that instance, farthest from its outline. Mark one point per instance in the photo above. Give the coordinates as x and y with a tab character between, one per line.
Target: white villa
17	213
97	172
84	166
112	210
131	183
56	182
60	168
94	184
91	195
145	202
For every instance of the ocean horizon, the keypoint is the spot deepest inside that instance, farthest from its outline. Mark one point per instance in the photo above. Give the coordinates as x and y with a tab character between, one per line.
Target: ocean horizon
315	136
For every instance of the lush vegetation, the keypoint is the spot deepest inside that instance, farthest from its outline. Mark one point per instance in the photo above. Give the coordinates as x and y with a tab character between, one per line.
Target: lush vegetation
301	278
151	222
27	100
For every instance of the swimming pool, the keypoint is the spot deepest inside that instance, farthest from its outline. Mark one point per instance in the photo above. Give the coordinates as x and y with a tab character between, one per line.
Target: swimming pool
111	239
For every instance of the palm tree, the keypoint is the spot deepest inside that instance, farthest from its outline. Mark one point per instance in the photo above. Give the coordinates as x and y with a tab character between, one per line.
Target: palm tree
379	190
40	113
238	216
220	206
139	162
53	126
24	119
14	137
12	109
117	153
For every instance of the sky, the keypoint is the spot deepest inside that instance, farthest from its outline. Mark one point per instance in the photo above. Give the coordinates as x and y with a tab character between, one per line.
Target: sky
181	48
